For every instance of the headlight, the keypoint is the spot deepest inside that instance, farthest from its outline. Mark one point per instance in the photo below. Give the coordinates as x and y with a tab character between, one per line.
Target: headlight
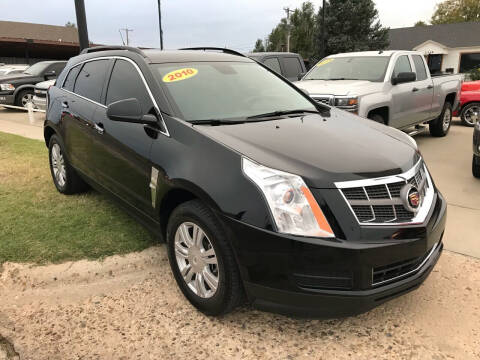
293	207
346	101
7	87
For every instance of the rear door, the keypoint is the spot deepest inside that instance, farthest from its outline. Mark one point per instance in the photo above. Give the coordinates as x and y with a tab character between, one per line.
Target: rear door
123	152
403	107
422	91
83	87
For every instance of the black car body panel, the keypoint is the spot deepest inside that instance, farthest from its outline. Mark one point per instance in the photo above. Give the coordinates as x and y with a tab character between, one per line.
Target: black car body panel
476	139
281	272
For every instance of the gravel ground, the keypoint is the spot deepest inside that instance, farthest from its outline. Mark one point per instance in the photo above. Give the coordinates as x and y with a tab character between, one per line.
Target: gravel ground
129	307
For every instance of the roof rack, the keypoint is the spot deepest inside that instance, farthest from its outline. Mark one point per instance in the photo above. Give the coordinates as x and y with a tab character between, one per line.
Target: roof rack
224	50
106	48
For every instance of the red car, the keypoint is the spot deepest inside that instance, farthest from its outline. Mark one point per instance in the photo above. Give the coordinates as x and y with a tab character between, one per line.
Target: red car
469	107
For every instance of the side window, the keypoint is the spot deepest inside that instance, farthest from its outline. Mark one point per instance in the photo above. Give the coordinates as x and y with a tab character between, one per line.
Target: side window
273	64
125	83
91	79
402	65
70	80
419	67
292	67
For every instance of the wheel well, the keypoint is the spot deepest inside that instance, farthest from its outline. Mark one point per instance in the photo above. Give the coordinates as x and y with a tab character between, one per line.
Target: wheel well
23	89
468	103
171	200
382	111
47	134
451	98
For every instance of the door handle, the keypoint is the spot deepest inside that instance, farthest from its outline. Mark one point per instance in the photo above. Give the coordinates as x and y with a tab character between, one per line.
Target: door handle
99	128
65	104
430	87
415	89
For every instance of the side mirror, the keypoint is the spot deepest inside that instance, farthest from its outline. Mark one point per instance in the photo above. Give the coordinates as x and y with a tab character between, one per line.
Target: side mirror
404	77
300	76
129	110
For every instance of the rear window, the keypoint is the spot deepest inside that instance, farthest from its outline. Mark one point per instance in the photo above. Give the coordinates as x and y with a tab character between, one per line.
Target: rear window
226	90
70	80
91	79
273	64
419	67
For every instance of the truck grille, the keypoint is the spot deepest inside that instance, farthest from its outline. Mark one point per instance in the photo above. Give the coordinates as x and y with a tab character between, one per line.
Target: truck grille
40	93
378	201
326	100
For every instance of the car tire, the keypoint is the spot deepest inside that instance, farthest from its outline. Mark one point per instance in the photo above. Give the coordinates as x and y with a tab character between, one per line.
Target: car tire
441	125
22	96
64	176
190	258
377	118
467	111
476	166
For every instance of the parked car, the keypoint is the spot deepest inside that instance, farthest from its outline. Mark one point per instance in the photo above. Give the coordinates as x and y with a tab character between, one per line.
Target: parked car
12	69
391	87
476	148
469	105
18	89
40	94
256	188
289	65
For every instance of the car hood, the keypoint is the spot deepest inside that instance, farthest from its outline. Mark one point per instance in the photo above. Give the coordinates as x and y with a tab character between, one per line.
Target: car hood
339	87
323	149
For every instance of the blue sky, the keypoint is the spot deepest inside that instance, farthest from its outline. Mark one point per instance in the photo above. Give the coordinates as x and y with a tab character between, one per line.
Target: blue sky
234	23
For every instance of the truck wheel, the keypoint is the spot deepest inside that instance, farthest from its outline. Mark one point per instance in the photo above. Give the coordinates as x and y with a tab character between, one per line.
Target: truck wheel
476	166
441	125
64	176
23	97
470	114
377	118
202	260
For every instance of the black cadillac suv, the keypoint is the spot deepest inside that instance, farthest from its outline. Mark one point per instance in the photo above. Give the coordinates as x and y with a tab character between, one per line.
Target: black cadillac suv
260	193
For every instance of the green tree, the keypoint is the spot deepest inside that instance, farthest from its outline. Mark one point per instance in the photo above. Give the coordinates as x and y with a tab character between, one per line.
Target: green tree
352	25
303	30
454	11
420	23
277	40
259	46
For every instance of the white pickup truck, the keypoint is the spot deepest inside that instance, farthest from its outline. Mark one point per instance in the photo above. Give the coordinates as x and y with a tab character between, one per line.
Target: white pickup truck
391	87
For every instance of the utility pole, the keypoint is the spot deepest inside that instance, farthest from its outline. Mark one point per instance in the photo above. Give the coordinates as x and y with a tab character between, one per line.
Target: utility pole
322	35
127	30
81	24
288	11
160	24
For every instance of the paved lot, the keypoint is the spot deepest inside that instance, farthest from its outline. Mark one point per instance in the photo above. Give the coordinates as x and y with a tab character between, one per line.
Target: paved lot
129	307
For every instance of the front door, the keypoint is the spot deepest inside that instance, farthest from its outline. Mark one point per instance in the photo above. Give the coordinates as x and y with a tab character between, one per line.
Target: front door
124	148
403	112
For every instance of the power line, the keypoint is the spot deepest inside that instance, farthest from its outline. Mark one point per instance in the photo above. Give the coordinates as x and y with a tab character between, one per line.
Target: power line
127	30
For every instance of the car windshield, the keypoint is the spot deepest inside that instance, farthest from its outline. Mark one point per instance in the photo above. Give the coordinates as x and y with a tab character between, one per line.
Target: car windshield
227	90
36	69
370	68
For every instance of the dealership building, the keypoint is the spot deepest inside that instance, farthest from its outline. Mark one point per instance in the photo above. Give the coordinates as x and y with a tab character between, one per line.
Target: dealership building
26	43
447	47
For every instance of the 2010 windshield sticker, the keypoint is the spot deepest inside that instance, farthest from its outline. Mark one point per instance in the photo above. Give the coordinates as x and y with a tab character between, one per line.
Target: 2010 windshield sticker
180	74
324	62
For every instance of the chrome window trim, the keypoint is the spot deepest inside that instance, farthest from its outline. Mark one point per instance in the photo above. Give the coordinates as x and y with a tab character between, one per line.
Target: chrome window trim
409	272
166	132
419	217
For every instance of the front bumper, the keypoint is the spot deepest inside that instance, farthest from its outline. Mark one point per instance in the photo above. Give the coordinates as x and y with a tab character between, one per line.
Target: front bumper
40	102
333	278
7	99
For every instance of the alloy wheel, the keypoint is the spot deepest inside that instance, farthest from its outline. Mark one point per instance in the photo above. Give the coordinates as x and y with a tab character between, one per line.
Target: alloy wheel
471	115
25	100
447	119
196	260
58	165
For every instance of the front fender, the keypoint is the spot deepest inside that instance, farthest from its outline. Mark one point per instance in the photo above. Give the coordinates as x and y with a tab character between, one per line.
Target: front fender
374	101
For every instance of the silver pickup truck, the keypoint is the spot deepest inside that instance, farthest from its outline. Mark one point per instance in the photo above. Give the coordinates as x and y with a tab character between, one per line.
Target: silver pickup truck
391	87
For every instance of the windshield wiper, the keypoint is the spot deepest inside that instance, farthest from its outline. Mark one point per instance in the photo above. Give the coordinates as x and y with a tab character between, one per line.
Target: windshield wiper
215	122
282	112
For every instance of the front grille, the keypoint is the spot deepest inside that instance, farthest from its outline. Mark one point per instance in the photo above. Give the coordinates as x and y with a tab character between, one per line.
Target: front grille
40	93
387	273
341	280
326	100
381	203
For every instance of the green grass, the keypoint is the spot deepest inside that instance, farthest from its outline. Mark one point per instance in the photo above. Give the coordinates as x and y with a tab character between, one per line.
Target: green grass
40	225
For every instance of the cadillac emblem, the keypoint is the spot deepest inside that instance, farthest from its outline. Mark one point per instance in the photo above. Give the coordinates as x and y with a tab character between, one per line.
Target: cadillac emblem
411	198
